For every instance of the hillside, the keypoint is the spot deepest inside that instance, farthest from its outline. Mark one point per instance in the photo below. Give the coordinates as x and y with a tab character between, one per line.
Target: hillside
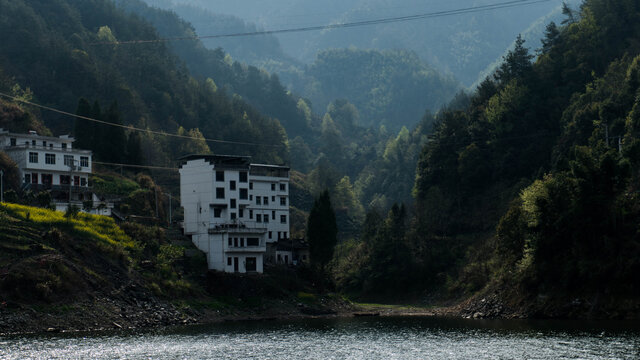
462	45
79	272
526	198
150	85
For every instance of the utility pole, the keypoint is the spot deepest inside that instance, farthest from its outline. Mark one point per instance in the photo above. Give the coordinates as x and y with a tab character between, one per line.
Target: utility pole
71	167
169	209
620	144
155	192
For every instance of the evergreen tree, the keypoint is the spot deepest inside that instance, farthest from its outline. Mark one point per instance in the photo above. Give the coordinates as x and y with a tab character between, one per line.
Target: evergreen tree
83	131
322	230
516	65
133	151
113	139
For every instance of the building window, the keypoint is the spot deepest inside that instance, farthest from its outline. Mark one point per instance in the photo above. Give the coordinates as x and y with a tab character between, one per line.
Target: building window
83	182
64	145
241	242
283	201
251	214
33	143
50	146
270	234
34	178
266	218
244	194
229	260
220	193
273	199
33	157
217	212
233	203
283	219
229	243
233	216
250	186
84	161
284	235
241	213
219	175
283	187
273	187
243	176
279	237
65	179
13	141
44	143
232	185
273	215
258	218
50	159
27	178
250	197
253	242
258	198
68	160
266	200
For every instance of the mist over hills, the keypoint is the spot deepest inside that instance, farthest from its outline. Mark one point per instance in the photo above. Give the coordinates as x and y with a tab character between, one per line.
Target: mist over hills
461	45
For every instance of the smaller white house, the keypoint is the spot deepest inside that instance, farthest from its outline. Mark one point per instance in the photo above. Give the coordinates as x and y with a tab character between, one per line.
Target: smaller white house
47	163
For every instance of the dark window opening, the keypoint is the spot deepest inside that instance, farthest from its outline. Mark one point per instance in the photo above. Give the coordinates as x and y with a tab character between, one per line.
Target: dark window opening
219	175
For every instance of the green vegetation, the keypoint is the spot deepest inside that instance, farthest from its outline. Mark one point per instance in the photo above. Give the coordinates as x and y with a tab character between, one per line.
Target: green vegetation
322	230
531	187
168	99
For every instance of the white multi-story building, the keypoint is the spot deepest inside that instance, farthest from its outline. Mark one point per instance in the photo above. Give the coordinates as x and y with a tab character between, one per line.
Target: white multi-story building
50	164
234	211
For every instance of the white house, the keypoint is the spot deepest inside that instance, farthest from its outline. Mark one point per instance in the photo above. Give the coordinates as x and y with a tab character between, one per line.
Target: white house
234	211
51	164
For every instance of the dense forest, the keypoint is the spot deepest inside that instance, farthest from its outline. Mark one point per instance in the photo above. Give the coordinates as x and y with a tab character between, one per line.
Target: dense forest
532	187
57	52
528	185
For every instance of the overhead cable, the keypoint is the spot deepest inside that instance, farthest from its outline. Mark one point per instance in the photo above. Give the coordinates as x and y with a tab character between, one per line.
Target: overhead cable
131	128
474	9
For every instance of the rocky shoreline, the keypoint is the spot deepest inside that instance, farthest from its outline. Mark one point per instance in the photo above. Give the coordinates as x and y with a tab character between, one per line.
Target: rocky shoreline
108	314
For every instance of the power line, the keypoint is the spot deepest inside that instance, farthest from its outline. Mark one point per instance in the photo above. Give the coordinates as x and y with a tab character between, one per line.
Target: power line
148	131
474	9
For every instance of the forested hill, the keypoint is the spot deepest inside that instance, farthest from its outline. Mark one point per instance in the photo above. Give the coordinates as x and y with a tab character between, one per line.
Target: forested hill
531	191
391	88
462	45
57	49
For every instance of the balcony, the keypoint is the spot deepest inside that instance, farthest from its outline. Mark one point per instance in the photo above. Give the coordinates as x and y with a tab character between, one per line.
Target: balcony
259	248
47	148
236	228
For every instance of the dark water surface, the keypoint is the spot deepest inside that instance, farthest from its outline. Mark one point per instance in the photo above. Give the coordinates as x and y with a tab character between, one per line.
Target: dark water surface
349	338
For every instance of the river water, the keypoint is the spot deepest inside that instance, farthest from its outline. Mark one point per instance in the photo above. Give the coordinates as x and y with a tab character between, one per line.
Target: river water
348	338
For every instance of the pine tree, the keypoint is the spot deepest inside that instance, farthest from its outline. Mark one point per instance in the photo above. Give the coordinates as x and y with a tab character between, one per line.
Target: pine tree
113	138
83	131
516	65
322	230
